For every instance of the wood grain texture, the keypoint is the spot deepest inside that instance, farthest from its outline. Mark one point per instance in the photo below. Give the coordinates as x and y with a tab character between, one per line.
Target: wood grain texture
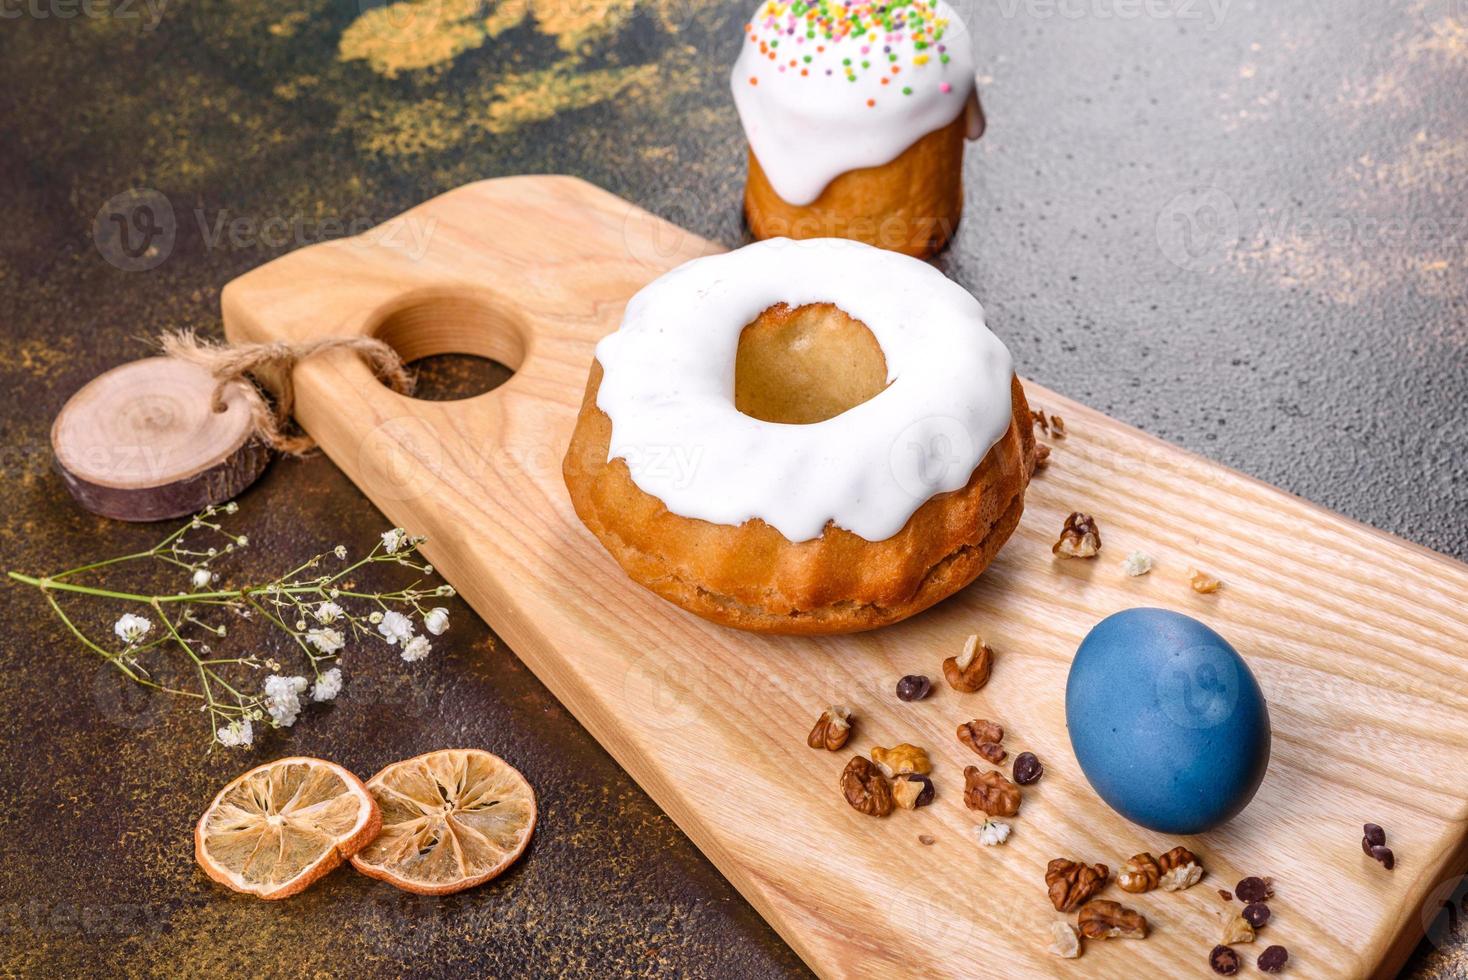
1355	636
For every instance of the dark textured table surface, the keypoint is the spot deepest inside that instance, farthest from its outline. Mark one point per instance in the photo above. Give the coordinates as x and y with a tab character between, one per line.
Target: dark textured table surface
1236	224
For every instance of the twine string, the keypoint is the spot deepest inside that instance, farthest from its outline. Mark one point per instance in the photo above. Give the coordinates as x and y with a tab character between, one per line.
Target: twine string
271	366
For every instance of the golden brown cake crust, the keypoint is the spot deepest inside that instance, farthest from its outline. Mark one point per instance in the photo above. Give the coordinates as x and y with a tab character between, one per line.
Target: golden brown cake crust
910	205
751	577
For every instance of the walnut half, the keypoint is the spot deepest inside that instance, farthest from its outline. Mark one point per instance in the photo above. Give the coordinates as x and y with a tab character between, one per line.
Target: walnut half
984	738
969	671
1180	869
865	788
1139	874
1071	883
832	729
900	759
1103	919
1080	538
990	792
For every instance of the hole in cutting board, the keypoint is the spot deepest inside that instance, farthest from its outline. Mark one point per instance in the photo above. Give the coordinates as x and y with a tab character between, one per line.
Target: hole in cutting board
460	345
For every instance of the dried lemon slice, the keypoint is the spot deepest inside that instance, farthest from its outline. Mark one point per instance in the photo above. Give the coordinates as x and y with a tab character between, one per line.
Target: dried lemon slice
451	820
281	826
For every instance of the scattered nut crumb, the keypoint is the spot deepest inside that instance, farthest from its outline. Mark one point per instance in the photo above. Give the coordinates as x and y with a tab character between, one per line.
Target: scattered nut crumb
1137	564
865	788
1080	538
1105	919
1140	874
902	758
1202	582
993	832
927	840
969	671
983	737
1064	941
1042	455
1180	869
1226	895
1070	883
832	729
1041	422
992	793
1237	930
911	790
1057	426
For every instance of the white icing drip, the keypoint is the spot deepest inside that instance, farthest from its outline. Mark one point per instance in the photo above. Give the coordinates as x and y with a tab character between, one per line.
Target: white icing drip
668	388
807	130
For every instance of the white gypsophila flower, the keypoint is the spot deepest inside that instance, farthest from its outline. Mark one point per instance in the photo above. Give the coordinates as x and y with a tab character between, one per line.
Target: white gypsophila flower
393	540
416	649
283	698
437	621
1137	563
231	508
327	641
340	551
202	578
131	628
237	734
395	627
328	612
328	685
993	832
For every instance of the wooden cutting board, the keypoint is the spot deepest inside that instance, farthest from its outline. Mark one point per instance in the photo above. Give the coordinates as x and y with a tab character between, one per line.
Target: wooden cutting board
1356	637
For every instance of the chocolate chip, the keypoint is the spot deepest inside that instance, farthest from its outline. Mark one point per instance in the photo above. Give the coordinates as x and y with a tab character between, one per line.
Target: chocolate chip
1027	769
1384	854
1227	896
1252	890
913	687
1256	914
1224	961
1272	960
1375	836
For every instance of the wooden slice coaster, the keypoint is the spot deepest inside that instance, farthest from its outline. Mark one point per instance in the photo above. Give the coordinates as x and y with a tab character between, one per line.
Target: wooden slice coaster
143	443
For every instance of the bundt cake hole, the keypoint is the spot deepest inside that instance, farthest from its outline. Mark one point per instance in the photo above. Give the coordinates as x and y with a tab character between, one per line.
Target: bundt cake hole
806	364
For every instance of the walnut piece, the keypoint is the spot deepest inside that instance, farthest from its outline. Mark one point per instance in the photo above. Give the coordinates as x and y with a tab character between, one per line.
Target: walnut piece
1202	582
900	759
990	792
984	738
1139	874
1070	883
1040	421
865	788
969	671
1180	869
1080	538
1042	455
1063	941
832	729
911	791
1237	930
1103	919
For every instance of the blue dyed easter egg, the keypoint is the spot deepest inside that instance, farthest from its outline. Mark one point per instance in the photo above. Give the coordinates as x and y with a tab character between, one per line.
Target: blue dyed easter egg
1167	721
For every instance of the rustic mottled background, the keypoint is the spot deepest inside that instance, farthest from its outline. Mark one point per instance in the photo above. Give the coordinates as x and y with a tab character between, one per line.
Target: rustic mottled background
1237	224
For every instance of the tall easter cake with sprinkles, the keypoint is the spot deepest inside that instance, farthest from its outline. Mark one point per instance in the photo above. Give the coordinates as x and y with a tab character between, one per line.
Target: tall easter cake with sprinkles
856	116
